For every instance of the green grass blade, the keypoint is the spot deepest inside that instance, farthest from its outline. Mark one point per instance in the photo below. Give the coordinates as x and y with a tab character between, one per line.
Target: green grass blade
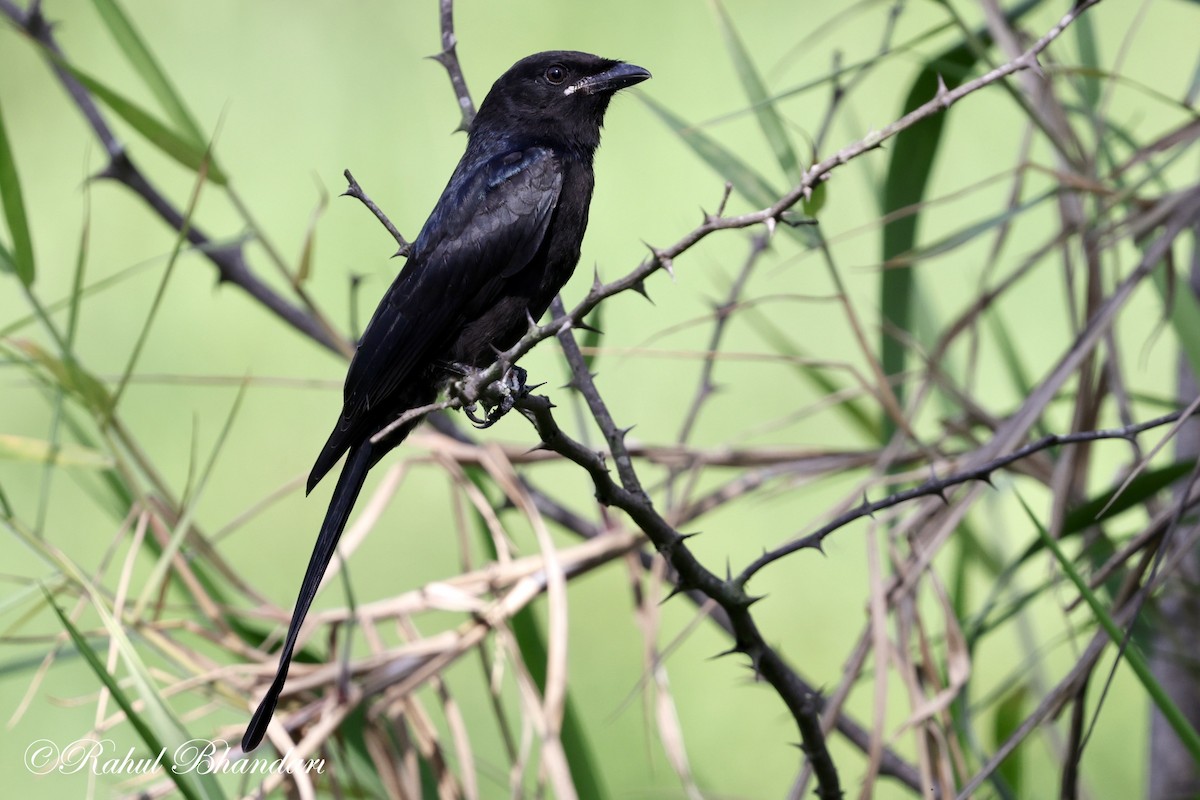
20	258
1140	489
853	410
1180	306
769	120
6	511
159	573
910	166
1130	652
1089	57
1008	718
160	293
25	448
77	381
192	784
581	759
147	68
745	179
181	148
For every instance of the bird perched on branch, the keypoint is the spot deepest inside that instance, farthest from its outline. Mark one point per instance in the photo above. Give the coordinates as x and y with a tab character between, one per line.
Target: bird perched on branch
502	240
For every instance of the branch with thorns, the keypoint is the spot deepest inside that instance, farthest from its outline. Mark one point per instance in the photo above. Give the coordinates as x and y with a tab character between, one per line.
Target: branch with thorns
628	494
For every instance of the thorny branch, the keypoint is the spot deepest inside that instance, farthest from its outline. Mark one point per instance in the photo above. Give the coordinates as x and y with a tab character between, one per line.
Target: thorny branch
448	58
628	494
228	258
936	487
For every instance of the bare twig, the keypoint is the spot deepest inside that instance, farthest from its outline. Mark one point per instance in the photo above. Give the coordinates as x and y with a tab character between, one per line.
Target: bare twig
354	190
448	58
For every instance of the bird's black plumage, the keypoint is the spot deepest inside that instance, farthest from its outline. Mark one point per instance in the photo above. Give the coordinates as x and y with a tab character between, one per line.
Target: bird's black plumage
502	240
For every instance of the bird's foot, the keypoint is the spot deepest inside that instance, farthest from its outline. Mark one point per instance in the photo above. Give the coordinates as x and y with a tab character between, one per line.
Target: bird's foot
497	398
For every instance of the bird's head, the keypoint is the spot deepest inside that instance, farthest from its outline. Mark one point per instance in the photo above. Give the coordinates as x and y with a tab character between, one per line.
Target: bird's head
558	97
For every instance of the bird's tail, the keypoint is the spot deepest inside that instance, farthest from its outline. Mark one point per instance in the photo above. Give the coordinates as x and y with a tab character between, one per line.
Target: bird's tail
348	486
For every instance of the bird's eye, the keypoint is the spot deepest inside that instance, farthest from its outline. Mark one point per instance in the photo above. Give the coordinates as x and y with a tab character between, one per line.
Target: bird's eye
556	74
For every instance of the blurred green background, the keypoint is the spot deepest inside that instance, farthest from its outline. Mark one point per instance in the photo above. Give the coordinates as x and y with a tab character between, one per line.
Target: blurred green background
294	93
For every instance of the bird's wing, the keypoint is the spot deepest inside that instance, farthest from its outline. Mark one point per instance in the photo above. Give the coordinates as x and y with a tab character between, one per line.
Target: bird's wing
487	226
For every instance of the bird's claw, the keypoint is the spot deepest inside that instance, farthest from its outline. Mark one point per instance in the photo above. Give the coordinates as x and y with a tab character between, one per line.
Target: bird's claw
498	398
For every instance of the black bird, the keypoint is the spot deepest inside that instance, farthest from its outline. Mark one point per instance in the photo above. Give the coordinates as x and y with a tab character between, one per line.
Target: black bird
502	240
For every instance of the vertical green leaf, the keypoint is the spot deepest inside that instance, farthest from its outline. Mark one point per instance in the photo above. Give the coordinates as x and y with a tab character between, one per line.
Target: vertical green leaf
760	99
581	760
21	256
1089	56
1188	736
192	784
745	179
143	62
911	163
188	152
1009	716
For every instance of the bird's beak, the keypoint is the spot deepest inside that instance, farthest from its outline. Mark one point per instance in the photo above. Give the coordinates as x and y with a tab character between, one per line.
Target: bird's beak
618	77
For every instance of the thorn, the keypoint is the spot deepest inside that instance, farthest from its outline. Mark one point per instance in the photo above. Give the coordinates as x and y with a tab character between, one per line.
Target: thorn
753	598
640	288
987	478
403	251
623	432
663	259
770	223
597	284
1036	68
730	652
866	505
675	591
728	570
538	447
725	198
584	326
940	492
756	664
943	94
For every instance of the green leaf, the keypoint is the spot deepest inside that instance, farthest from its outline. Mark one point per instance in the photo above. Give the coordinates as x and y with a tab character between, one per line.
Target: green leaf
24	448
143	62
768	117
162	567
853	410
588	780
191	784
304	267
72	377
1140	489
813	205
191	154
909	168
1089	56
1180	305
1178	721
724	162
1010	713
20	259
